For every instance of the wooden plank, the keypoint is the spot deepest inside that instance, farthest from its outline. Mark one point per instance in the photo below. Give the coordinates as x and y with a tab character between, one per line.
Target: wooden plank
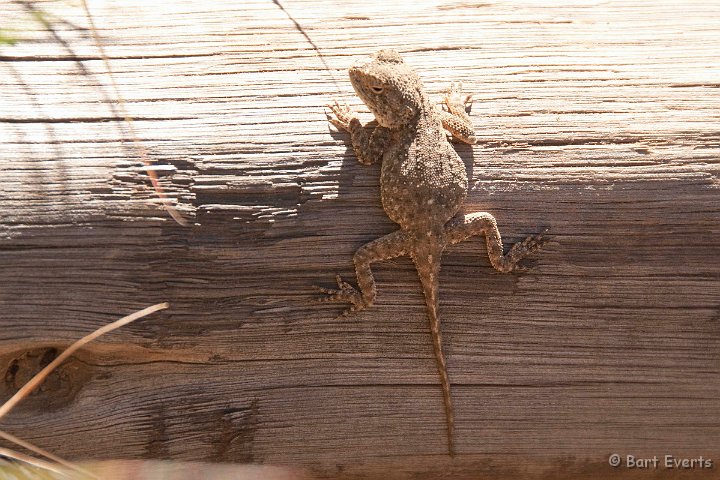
598	120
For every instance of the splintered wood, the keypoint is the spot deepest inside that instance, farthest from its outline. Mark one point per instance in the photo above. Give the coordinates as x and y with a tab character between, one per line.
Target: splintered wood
597	120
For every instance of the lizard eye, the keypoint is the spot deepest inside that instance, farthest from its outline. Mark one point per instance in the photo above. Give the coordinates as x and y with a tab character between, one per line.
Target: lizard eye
376	89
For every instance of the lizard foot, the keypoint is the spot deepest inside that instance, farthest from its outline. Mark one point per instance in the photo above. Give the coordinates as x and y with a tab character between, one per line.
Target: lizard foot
341	116
520	250
345	293
454	98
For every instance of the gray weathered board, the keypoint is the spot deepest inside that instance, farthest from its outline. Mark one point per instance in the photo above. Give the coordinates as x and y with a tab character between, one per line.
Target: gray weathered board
599	120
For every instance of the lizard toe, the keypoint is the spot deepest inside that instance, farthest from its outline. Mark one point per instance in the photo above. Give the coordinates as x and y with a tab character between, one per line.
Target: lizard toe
345	293
520	250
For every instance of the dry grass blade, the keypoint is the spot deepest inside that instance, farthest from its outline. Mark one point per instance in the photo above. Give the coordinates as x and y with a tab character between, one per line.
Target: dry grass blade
4	452
45	453
131	126
37	379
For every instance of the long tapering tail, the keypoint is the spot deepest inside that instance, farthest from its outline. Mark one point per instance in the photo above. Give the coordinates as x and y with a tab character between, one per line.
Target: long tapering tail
427	262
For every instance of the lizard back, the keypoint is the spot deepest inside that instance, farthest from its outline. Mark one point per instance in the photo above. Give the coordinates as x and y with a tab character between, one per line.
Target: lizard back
423	181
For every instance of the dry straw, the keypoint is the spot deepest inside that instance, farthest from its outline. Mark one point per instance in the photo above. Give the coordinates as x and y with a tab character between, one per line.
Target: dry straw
38	379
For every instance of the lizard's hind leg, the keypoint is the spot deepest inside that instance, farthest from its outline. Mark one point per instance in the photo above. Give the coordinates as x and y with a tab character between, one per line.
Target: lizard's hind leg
463	226
390	246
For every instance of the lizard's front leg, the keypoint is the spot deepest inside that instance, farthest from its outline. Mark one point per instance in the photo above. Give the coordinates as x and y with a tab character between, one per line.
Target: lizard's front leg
368	146
456	120
463	226
390	246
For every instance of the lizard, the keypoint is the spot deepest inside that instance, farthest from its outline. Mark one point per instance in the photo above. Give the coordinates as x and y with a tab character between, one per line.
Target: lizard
423	184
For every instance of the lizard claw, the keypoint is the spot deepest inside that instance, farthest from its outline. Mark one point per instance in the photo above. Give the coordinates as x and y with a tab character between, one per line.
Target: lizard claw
345	293
341	116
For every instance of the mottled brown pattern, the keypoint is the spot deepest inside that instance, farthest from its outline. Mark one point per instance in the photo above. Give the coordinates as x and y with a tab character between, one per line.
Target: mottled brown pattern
423	185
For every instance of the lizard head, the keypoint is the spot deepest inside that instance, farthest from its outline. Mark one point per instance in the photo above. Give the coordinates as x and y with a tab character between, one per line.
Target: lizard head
389	87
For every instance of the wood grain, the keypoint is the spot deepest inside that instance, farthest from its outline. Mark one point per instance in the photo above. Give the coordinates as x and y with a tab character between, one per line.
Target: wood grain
598	120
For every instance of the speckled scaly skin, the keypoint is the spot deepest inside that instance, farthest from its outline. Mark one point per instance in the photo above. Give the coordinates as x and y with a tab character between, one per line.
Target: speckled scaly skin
423	184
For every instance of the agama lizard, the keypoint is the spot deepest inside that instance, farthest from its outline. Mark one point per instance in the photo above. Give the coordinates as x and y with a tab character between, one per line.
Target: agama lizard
423	184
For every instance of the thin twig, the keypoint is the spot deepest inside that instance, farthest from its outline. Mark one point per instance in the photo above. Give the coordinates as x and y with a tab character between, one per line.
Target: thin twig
131	126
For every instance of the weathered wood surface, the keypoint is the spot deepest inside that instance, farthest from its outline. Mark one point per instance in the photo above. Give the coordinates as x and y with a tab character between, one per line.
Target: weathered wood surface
598	120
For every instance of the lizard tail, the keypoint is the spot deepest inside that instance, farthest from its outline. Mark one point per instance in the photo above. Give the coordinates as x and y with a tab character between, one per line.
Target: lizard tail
428	267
